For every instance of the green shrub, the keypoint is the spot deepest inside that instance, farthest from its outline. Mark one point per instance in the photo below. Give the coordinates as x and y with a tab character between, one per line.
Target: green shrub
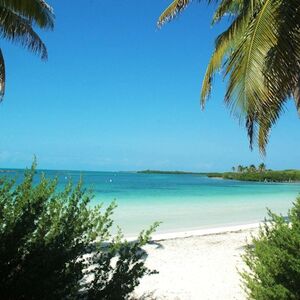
53	245
273	259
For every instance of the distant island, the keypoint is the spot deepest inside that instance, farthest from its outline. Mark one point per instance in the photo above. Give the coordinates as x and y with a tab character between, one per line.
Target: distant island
242	173
260	174
168	172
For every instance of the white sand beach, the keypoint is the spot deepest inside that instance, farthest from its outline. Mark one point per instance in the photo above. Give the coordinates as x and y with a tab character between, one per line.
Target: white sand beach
198	265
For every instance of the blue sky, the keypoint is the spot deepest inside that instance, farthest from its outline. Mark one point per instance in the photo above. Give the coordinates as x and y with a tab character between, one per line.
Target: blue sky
119	94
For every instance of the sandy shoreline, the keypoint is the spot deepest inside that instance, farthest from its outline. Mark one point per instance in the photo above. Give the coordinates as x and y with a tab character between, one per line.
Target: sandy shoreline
202	232
196	232
200	264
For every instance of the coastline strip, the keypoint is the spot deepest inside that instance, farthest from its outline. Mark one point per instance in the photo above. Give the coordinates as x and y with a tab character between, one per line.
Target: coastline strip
199	232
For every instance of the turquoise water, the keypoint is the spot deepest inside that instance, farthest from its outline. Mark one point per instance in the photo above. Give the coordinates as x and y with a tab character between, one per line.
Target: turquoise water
182	202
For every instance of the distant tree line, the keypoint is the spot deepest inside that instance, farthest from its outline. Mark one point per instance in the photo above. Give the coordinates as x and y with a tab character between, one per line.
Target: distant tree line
259	173
250	169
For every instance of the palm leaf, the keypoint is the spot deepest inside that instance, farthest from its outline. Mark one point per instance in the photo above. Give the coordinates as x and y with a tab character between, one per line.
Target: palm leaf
246	90
228	7
17	29
37	11
282	68
225	43
172	10
214	66
2	76
297	97
267	118
260	53
264	68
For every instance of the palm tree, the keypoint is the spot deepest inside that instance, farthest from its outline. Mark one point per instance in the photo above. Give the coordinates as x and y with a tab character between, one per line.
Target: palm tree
233	169
260	54
262	167
240	169
245	169
17	19
252	168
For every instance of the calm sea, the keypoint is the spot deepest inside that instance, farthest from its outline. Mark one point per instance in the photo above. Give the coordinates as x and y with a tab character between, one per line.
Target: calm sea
181	202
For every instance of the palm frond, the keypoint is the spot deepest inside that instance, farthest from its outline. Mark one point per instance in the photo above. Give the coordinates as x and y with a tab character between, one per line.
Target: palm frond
269	61
17	29
214	66
2	76
37	11
282	65
246	90
259	124
172	10
228	7
267	118
297	97
251	126
260	55
225	43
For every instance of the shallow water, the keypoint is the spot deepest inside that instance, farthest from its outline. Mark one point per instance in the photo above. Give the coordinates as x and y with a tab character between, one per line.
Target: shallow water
182	202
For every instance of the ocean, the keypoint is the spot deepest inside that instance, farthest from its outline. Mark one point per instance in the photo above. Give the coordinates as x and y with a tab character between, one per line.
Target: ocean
180	202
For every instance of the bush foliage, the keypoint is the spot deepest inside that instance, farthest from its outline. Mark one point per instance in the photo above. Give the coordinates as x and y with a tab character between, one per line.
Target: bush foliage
53	245
274	259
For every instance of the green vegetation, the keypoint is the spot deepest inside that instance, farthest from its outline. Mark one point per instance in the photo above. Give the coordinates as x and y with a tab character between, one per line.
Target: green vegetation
243	173
268	176
53	245
166	172
259	54
17	19
260	173
214	174
273	259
